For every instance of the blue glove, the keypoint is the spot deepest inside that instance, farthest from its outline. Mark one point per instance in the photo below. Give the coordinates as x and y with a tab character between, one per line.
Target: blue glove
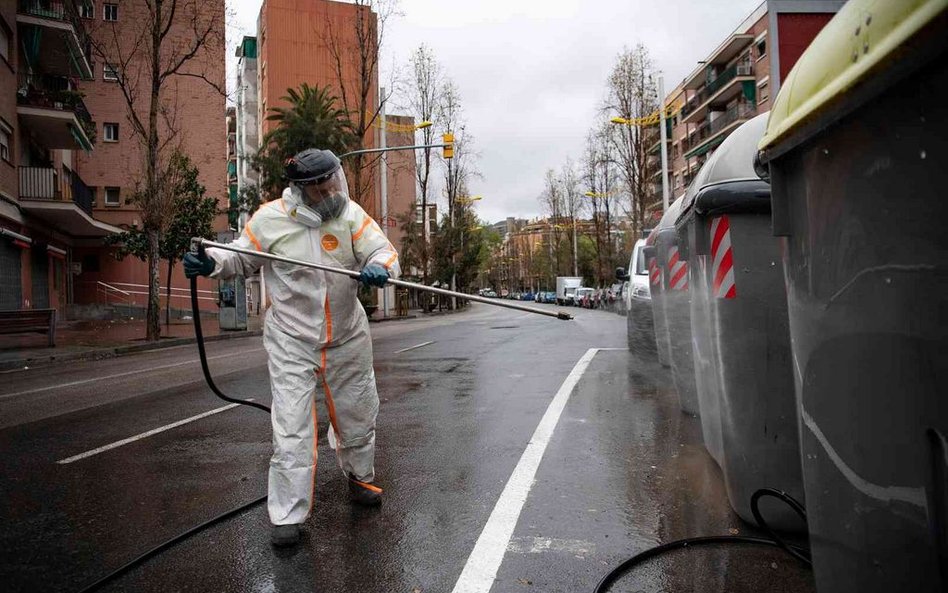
201	264
374	275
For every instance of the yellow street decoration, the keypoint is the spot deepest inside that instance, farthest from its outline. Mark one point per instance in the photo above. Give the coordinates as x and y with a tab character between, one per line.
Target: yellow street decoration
652	119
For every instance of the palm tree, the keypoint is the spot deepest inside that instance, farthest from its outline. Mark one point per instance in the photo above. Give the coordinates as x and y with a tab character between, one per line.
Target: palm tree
310	120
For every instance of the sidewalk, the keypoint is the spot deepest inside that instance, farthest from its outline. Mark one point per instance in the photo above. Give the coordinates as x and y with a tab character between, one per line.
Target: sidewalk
90	340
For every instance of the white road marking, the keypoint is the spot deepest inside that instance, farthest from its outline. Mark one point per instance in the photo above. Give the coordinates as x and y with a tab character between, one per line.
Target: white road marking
143	435
413	347
481	567
541	545
125	374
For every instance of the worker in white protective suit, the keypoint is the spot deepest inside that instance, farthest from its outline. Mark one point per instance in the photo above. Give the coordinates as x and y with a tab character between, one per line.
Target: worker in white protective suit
316	332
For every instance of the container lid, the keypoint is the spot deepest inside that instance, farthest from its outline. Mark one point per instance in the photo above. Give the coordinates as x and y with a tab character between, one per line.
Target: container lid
732	162
862	39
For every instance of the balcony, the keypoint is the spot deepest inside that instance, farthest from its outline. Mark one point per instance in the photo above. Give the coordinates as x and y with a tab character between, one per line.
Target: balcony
718	91
710	134
54	39
723	55
61	199
54	113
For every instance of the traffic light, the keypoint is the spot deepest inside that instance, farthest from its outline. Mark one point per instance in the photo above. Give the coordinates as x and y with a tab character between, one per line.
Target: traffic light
448	148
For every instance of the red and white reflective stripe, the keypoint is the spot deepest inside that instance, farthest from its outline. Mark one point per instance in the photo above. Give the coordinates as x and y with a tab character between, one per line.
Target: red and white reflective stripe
677	270
722	260
654	272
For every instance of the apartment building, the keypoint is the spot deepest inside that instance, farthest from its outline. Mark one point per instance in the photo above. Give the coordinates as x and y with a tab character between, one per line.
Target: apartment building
46	131
247	113
293	46
115	168
734	83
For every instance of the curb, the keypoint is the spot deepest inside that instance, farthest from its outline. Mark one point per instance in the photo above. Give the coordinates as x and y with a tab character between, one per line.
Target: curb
116	351
388	319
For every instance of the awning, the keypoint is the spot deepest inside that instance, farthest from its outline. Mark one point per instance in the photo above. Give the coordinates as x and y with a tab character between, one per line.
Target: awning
705	147
67	218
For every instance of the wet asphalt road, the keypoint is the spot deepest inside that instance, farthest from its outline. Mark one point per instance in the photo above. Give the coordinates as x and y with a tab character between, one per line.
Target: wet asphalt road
623	470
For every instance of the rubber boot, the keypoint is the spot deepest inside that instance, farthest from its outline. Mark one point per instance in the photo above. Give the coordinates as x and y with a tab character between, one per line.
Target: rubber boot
364	494
285	535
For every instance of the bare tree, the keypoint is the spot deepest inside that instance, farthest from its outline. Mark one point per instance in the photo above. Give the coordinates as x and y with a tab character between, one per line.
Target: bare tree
573	205
424	92
600	177
552	201
461	169
356	71
149	55
632	94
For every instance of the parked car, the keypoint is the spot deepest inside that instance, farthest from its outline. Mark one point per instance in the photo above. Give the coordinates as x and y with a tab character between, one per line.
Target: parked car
582	297
528	296
640	324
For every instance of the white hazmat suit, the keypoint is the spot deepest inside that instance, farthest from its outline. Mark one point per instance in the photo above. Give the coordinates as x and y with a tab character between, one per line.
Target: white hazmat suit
317	337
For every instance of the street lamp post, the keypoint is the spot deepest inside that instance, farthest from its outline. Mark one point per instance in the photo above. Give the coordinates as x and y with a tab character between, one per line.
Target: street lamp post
662	138
384	190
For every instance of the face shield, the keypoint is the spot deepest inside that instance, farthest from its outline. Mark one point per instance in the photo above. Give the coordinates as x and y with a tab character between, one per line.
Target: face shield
327	198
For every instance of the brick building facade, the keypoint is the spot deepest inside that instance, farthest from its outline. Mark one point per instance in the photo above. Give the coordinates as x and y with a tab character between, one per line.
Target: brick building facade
733	84
293	47
45	207
116	166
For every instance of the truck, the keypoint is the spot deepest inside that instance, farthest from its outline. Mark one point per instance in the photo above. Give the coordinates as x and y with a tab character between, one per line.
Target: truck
566	288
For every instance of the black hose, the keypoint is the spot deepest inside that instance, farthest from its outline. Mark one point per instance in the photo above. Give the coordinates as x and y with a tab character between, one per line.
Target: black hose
199	336
800	553
167	544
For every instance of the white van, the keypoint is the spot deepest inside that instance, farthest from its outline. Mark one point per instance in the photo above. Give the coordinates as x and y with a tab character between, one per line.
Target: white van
638	300
637	275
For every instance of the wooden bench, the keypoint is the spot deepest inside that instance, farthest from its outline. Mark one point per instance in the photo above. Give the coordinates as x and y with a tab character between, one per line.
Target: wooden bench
24	321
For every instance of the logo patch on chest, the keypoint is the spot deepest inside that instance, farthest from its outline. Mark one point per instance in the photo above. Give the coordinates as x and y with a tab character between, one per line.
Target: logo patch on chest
330	242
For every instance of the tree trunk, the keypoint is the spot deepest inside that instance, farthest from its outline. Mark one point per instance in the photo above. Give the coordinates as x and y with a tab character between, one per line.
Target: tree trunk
152	205
153	317
168	294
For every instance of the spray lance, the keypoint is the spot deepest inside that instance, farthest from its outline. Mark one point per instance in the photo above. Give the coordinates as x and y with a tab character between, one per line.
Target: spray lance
197	243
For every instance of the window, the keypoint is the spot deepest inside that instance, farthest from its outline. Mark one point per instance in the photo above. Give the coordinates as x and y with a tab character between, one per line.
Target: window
93	197
112	196
5	37
110	12
640	269
87	10
5	134
760	45
110	132
763	90
109	73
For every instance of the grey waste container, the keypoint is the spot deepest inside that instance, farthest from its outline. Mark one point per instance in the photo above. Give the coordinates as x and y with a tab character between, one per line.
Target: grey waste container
857	149
741	328
706	363
659	323
675	303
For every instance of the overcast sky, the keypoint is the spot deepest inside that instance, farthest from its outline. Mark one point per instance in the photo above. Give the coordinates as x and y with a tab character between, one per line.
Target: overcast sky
532	74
